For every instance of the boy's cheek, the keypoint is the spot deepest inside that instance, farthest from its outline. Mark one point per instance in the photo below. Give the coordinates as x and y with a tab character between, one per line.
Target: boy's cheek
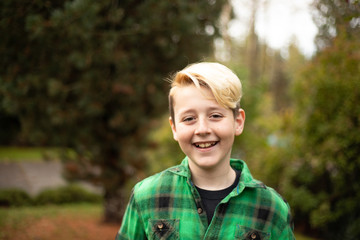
175	136
173	129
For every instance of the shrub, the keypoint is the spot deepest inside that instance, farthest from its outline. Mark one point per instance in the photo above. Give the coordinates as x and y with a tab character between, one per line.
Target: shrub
67	194
14	197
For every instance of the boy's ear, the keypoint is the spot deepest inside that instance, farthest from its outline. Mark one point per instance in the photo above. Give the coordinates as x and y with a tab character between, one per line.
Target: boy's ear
173	128
239	122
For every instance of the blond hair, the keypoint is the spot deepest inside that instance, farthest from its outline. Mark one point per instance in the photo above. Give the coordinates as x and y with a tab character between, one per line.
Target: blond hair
222	82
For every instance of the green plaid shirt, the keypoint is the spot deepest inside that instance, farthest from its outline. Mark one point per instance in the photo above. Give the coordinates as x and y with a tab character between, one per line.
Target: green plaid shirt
168	206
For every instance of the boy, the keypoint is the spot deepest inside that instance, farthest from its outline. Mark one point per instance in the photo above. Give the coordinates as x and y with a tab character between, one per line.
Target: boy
209	195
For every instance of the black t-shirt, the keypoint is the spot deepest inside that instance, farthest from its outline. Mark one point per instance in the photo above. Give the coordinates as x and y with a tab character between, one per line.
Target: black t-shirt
211	199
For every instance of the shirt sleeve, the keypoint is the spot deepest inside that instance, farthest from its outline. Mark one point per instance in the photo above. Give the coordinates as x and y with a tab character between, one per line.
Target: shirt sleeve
132	226
288	232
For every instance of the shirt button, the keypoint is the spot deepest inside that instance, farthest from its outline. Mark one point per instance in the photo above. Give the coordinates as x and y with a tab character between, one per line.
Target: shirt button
200	210
253	236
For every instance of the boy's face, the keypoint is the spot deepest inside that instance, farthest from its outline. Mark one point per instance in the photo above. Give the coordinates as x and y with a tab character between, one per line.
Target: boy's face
204	130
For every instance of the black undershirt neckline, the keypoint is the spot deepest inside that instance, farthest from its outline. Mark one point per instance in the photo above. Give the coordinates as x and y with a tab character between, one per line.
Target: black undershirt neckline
211	199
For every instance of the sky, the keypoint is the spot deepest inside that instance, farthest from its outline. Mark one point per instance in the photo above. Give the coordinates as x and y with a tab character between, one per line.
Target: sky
278	22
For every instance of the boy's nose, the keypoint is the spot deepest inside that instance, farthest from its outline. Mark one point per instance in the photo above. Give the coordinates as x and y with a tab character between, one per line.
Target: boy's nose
202	127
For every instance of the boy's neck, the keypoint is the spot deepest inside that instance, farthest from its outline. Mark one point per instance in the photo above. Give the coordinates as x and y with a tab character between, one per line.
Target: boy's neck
213	180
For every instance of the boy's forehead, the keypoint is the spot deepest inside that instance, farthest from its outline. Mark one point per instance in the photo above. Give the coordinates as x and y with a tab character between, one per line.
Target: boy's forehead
193	91
187	97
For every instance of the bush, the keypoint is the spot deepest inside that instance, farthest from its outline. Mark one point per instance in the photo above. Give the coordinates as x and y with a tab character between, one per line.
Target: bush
325	168
14	197
67	194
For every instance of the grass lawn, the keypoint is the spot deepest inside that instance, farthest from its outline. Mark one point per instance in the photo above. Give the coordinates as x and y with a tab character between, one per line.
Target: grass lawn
14	215
74	221
29	154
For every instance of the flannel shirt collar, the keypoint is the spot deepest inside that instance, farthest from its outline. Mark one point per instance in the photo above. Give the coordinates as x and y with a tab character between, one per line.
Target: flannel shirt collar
246	179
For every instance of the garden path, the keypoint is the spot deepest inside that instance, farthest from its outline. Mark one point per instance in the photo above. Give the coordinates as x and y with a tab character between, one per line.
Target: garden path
34	177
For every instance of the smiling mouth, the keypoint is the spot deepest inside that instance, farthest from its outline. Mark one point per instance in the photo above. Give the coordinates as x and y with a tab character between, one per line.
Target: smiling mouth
205	145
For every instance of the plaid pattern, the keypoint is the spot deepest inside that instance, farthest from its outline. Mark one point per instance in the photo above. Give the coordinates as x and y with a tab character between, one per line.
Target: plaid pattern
168	206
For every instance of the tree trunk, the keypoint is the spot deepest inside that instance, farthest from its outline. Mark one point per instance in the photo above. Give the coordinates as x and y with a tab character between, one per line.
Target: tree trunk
253	48
115	203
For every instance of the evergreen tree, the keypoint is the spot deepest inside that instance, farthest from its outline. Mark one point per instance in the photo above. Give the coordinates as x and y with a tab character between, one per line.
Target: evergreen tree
89	76
334	16
324	182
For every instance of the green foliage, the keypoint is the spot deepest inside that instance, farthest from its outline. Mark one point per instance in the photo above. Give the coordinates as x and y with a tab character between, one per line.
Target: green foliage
299	236
325	172
33	154
10	127
264	144
14	198
324	168
308	149
67	194
88	75
332	17
63	195
163	151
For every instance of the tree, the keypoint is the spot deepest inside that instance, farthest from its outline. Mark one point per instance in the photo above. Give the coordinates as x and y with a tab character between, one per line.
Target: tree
253	47
333	16
88	75
324	181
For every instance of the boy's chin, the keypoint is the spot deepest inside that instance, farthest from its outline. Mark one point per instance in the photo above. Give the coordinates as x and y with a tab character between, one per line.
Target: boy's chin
206	163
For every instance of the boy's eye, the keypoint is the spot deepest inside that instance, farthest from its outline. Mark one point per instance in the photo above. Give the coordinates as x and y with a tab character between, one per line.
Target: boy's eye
216	116
188	119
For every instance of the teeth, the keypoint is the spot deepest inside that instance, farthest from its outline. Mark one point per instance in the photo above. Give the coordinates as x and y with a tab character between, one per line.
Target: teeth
205	145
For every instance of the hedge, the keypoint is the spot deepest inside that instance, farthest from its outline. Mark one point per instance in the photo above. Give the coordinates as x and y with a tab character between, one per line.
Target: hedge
62	195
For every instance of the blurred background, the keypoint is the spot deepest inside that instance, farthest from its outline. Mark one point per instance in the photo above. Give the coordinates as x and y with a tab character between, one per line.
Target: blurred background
83	106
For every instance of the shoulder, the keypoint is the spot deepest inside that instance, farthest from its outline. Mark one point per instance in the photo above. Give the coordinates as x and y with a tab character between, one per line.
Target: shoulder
268	198
271	208
159	183
268	204
247	180
270	195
